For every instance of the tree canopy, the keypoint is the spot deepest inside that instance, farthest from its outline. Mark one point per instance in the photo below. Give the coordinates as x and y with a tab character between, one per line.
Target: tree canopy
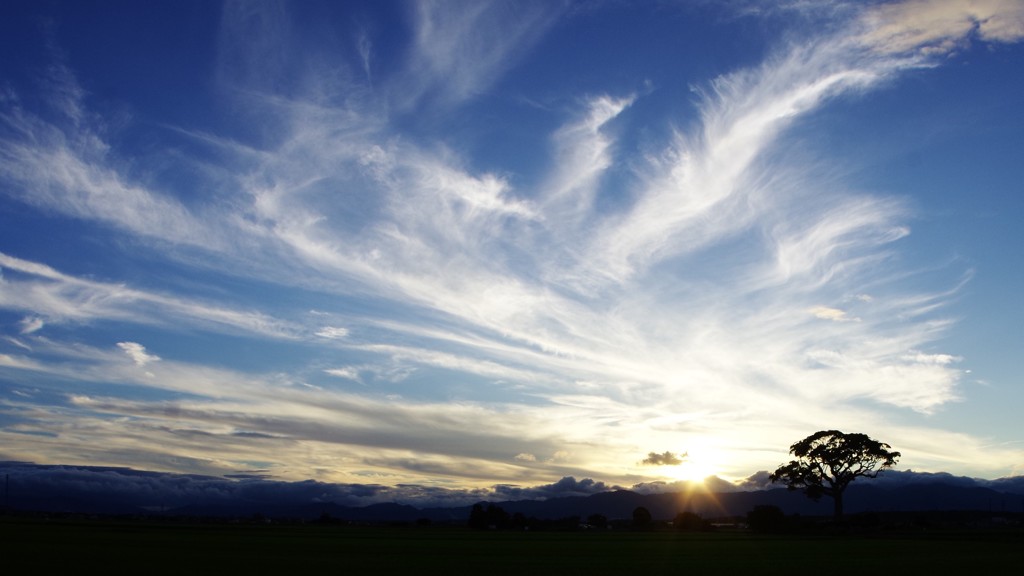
641	517
828	461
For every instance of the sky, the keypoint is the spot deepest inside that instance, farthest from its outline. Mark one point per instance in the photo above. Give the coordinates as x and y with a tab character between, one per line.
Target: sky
459	245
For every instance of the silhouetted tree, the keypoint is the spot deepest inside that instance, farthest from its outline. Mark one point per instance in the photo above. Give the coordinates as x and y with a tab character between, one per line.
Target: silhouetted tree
520	521
597	520
689	521
641	517
493	516
766	518
477	517
827	461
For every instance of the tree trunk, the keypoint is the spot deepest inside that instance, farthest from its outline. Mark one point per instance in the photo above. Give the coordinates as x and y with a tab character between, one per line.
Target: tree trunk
837	502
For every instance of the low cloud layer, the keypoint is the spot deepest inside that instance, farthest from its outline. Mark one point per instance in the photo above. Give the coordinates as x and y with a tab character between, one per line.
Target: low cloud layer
126	490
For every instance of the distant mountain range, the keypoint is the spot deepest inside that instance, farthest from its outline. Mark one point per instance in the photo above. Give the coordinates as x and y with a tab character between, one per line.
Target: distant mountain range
106	490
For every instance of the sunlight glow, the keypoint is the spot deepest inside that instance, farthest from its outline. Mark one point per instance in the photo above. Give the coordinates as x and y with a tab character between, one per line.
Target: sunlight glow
697	466
692	472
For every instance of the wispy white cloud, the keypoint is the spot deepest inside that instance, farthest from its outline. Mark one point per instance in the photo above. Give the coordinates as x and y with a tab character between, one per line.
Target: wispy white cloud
348	372
30	324
457	362
18	343
582	155
332	332
460	48
58	297
710	186
833	314
937	27
69	170
254	43
137	352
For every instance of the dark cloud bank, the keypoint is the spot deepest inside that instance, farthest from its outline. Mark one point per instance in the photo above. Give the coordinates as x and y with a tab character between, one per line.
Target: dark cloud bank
110	490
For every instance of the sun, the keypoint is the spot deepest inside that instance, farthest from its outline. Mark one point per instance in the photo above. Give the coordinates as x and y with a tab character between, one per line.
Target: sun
693	470
700	461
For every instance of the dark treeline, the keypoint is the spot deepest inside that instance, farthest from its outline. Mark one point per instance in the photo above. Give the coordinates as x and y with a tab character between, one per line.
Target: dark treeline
764	519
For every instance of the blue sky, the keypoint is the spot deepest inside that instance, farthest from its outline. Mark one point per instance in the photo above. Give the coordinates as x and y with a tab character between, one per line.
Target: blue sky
462	244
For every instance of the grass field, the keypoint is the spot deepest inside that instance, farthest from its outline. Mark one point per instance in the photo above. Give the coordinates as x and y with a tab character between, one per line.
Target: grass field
39	546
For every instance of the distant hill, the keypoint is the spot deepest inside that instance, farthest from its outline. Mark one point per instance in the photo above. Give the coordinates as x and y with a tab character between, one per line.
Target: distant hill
120	491
862	497
620	504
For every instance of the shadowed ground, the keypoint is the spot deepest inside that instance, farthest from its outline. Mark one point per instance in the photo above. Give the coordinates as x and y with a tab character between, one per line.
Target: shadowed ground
60	546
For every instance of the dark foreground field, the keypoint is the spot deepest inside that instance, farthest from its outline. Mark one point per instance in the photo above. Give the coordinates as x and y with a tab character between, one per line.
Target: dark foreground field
40	546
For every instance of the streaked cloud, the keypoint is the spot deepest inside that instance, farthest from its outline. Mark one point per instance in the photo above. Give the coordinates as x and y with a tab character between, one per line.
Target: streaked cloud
30	324
67	168
833	314
137	352
460	48
332	332
58	297
941	26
